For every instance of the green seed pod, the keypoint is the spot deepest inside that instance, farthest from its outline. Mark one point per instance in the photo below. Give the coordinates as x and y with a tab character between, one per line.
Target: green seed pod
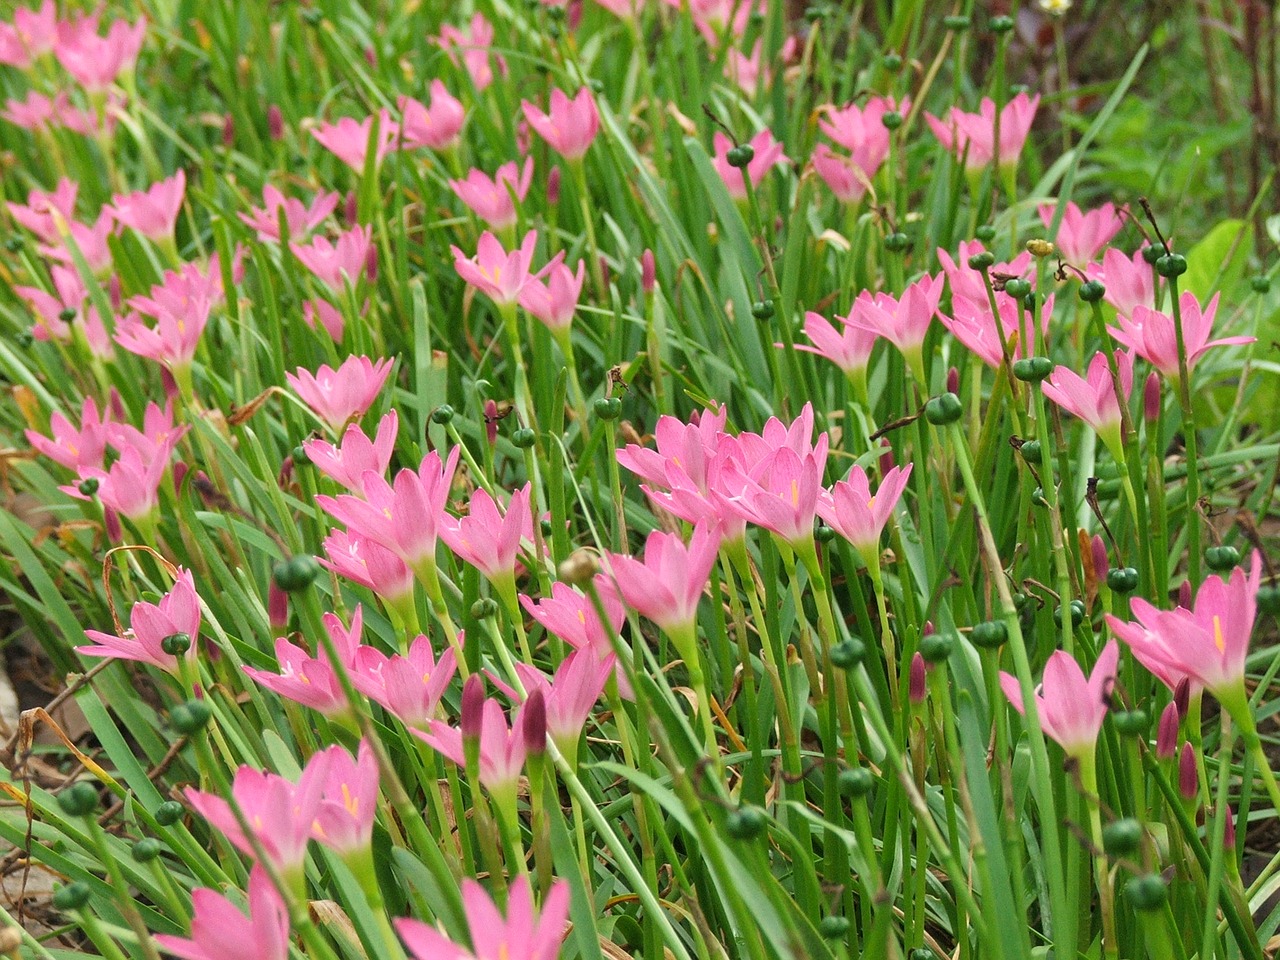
956	22
833	927
985	233
1031	451
848	653
176	644
989	635
745	823
1077	613
14	242
1091	291
762	310
1131	723
67	314
1121	837
595	83
1171	265
891	62
1221	558
78	800
943	409
147	849
1017	288
311	16
1261	284
1037	498
442	414
296	573
897	243
1001	24
1152	253
190	717
484	608
936	647
299	455
1146	893
169	813
1032	369
891	119
607	408
1122	579
823	533
88	486
982	261
71	897
856	782
524	438
741	155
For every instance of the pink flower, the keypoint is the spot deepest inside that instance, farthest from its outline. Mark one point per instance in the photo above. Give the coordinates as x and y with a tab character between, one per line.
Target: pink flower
502	747
852	511
91	241
487	539
767	155
971	323
409	687
843	175
966	281
849	348
437	126
1081	236
903	322
299	218
972	135
337	264
745	69
556	301
279	813
1150	333
31	35
357	454
157	438
152	212
49	308
335	396
521	935
1093	398
70	447
499	275
33	113
149	624
369	564
475	46
41	212
312	680
173	340
720	21
572	616
569	126
349	798
348	139
130	487
668	585
1071	708
859	130
96	61
221	931
570	696
780	493
405	518
1130	281
1208	643
626	9
491	200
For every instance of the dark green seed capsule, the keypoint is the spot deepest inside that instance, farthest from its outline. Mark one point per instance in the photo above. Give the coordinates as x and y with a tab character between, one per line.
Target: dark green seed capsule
78	800
88	486
1122	579
190	717
762	310
856	782
1017	288
169	813
296	573
989	635
745	823
1001	24
176	644
848	653
956	22
986	233
442	414
484	608
943	409
891	62
1171	265
1131	723
982	261
936	647
891	119
147	849
1221	558
607	408
1152	254
1146	892
1031	451
524	438
1261	284
1121	837
1091	291
71	897
1032	369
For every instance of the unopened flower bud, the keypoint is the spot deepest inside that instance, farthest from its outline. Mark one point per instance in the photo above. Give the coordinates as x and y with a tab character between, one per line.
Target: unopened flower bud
533	723
1229	831
371	263
275	122
916	686
277	607
1188	781
1182	696
1040	248
953	380
648	272
351	209
229	131
553	186
1184	595
491	421
1151	397
1167	733
472	712
579	567
1098	549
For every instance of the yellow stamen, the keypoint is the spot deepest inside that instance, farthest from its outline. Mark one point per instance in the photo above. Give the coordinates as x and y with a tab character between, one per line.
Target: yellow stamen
1218	640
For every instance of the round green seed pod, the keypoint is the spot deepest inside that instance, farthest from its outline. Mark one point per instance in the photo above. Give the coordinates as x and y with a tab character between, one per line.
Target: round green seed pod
1146	892
1121	837
989	635
848	653
833	927
190	717
1122	579
943	409
79	799
71	897
169	813
296	573
856	782
745	823
936	647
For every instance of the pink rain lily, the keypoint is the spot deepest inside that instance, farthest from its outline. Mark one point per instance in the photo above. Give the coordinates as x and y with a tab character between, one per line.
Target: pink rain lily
502	747
369	564
130	486
972	135
220	930
349	799
475	45
849	348
336	396
149	624
524	934
555	301
489	540
1092	398
570	696
684	446
843	175
861	130
746	70
668	584
348	139
90	240
571	616
720	21
500	275
492	199
781	493
858	516
904	322
72	447
404	518
337	264
1208	643
971	323
320	311
157	438
437	126
568	126
767	155
34	112
1150	334
347	462
1071	708
172	341
152	212
312	680
1130	281
409	687
624	9
41	212
29	36
300	219
1081	236
95	61
48	308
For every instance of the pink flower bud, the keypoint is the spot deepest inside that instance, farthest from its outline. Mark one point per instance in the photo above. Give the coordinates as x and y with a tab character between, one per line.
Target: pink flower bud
953	380
1229	831
916	687
371	263
491	421
604	269
648	272
1151	397
114	292
553	186
928	630
180	470
472	715
1184	595
1182	696
351	209
886	458
1100	563
1188	782
533	723
275	122
277	606
229	131
370	56
1167	733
